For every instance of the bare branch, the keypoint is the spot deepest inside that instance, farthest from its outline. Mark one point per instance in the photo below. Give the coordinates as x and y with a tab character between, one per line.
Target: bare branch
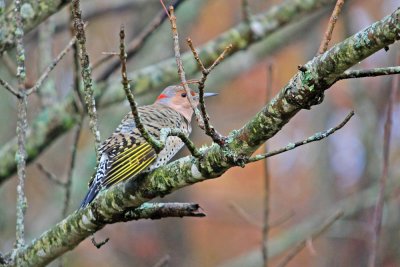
209	129
316	137
350	74
9	88
46	73
127	88
332	21
377	218
267	178
22	125
325	226
86	72
181	71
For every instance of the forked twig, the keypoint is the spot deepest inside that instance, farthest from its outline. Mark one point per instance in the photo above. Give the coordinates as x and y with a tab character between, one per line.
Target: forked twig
207	127
316	137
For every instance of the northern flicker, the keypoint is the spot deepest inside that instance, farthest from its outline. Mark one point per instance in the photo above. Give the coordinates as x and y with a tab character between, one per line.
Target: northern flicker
126	153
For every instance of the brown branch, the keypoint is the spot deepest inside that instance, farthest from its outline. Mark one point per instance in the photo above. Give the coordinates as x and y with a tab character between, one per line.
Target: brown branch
316	137
86	72
207	127
332	21
127	88
325	226
267	178
377	217
181	71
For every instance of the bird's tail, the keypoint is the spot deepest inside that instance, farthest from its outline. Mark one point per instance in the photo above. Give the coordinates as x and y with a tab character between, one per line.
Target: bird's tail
95	182
91	194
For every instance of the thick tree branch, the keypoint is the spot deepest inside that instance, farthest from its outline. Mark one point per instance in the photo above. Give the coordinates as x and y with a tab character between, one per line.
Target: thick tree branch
304	90
58	119
33	13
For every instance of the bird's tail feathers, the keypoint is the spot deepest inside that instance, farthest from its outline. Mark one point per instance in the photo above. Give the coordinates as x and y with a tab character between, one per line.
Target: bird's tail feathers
92	193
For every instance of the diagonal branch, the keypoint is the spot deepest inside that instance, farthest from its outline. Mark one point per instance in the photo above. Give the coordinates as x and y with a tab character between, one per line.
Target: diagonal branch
209	129
314	138
302	91
61	117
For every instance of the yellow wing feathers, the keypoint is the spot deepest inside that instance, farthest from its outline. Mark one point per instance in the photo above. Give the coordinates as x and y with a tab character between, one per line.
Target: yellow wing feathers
129	163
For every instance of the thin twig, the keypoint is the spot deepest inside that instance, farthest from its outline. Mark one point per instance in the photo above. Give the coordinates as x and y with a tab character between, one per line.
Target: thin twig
325	226
267	178
181	71
46	73
206	126
127	88
332	21
134	46
316	137
9	88
86	72
79	102
350	74
49	175
377	219
166	132
22	125
163	262
68	183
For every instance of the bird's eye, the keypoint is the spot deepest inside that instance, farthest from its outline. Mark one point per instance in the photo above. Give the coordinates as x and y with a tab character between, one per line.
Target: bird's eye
183	94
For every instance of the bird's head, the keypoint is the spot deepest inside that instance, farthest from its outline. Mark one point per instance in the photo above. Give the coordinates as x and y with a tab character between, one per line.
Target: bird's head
175	97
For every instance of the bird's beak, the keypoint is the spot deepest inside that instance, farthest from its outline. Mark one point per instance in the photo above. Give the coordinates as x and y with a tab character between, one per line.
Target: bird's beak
210	94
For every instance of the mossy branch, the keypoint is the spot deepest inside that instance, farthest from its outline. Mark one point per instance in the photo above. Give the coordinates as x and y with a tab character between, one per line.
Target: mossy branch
303	90
58	119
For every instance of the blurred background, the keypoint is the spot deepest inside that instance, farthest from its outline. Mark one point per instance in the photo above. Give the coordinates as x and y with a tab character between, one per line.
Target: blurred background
306	185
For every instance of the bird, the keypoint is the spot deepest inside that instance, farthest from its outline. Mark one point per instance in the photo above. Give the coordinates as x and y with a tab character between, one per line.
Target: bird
126	153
